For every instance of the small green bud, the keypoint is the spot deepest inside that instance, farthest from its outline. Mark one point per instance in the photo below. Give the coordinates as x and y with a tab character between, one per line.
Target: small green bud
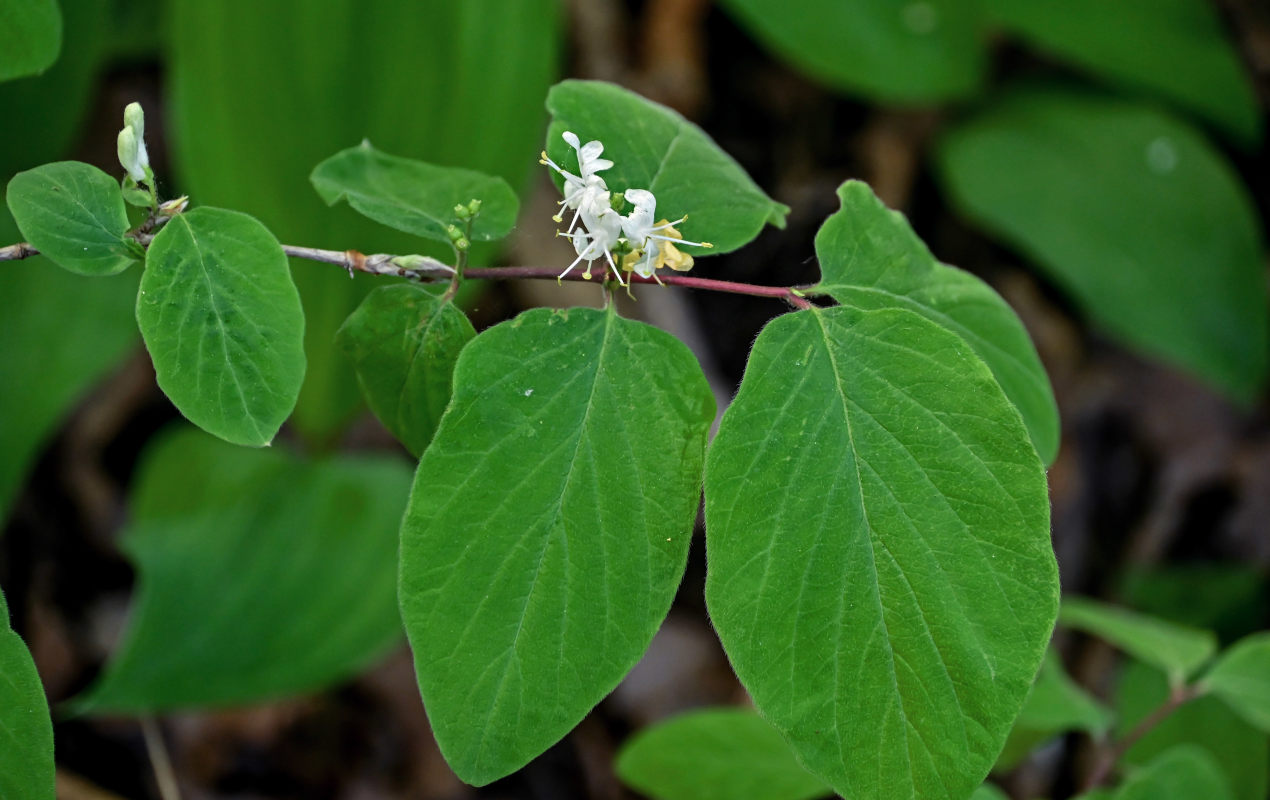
462	213
134	117
454	233
617	201
461	244
474	207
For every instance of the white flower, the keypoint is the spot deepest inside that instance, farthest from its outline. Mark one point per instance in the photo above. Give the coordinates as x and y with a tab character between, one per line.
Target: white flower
597	240
132	145
652	244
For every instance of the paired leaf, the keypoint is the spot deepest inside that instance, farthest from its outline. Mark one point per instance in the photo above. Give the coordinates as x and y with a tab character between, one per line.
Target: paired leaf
414	196
880	567
1241	677
26	730
1185	772
404	342
1132	213
1055	705
654	148
1178	50
260	576
74	214
871	258
223	324
32	37
1176	649
892	52
715	754
548	527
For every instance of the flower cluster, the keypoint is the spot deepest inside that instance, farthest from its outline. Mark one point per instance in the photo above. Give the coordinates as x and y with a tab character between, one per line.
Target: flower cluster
644	246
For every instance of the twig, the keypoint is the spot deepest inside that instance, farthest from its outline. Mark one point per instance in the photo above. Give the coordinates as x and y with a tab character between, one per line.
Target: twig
1115	750
159	761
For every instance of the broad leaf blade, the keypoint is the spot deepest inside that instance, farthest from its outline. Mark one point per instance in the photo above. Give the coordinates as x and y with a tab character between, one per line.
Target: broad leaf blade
32	37
715	754
222	321
1176	649
869	256
414	196
654	148
548	527
1184	773
893	52
1241	677
404	342
74	214
1133	214
1178	50
877	533
26	731
260	576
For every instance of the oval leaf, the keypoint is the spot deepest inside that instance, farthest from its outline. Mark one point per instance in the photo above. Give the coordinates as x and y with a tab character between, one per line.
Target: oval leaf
259	576
414	196
32	38
1183	773
223	324
548	527
715	754
26	730
1134	214
404	342
877	530
869	256
654	148
1178	50
1241	677
889	51
1176	649
74	214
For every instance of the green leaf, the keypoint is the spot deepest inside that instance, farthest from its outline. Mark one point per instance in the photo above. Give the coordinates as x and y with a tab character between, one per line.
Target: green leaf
1134	214
260	575
571	454
870	257
74	214
459	84
413	196
1185	772
1178	51
891	52
877	531
404	342
1242	751
1055	705
26	730
1241	677
223	324
32	37
715	754
1176	649
988	791
654	148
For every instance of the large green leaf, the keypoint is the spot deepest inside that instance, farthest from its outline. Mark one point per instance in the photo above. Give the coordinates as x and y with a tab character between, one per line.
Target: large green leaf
260	575
1134	214
74	214
548	527
1241	677
715	754
654	148
414	196
26	731
32	36
1242	751
870	257
1055	705
1185	772
880	570
1178	650
1178	50
262	92
886	50
222	321
404	342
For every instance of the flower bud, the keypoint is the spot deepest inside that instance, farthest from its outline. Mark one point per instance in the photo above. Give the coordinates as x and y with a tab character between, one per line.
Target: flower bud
462	213
129	155
474	207
134	117
454	233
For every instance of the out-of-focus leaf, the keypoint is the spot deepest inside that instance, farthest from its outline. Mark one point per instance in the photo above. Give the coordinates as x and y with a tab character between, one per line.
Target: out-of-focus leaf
1228	598
988	791
654	148
1055	705
1241	677
260	575
26	731
890	51
1134	214
1176	49
74	214
32	36
1185	772
716	754
262	92
1175	649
